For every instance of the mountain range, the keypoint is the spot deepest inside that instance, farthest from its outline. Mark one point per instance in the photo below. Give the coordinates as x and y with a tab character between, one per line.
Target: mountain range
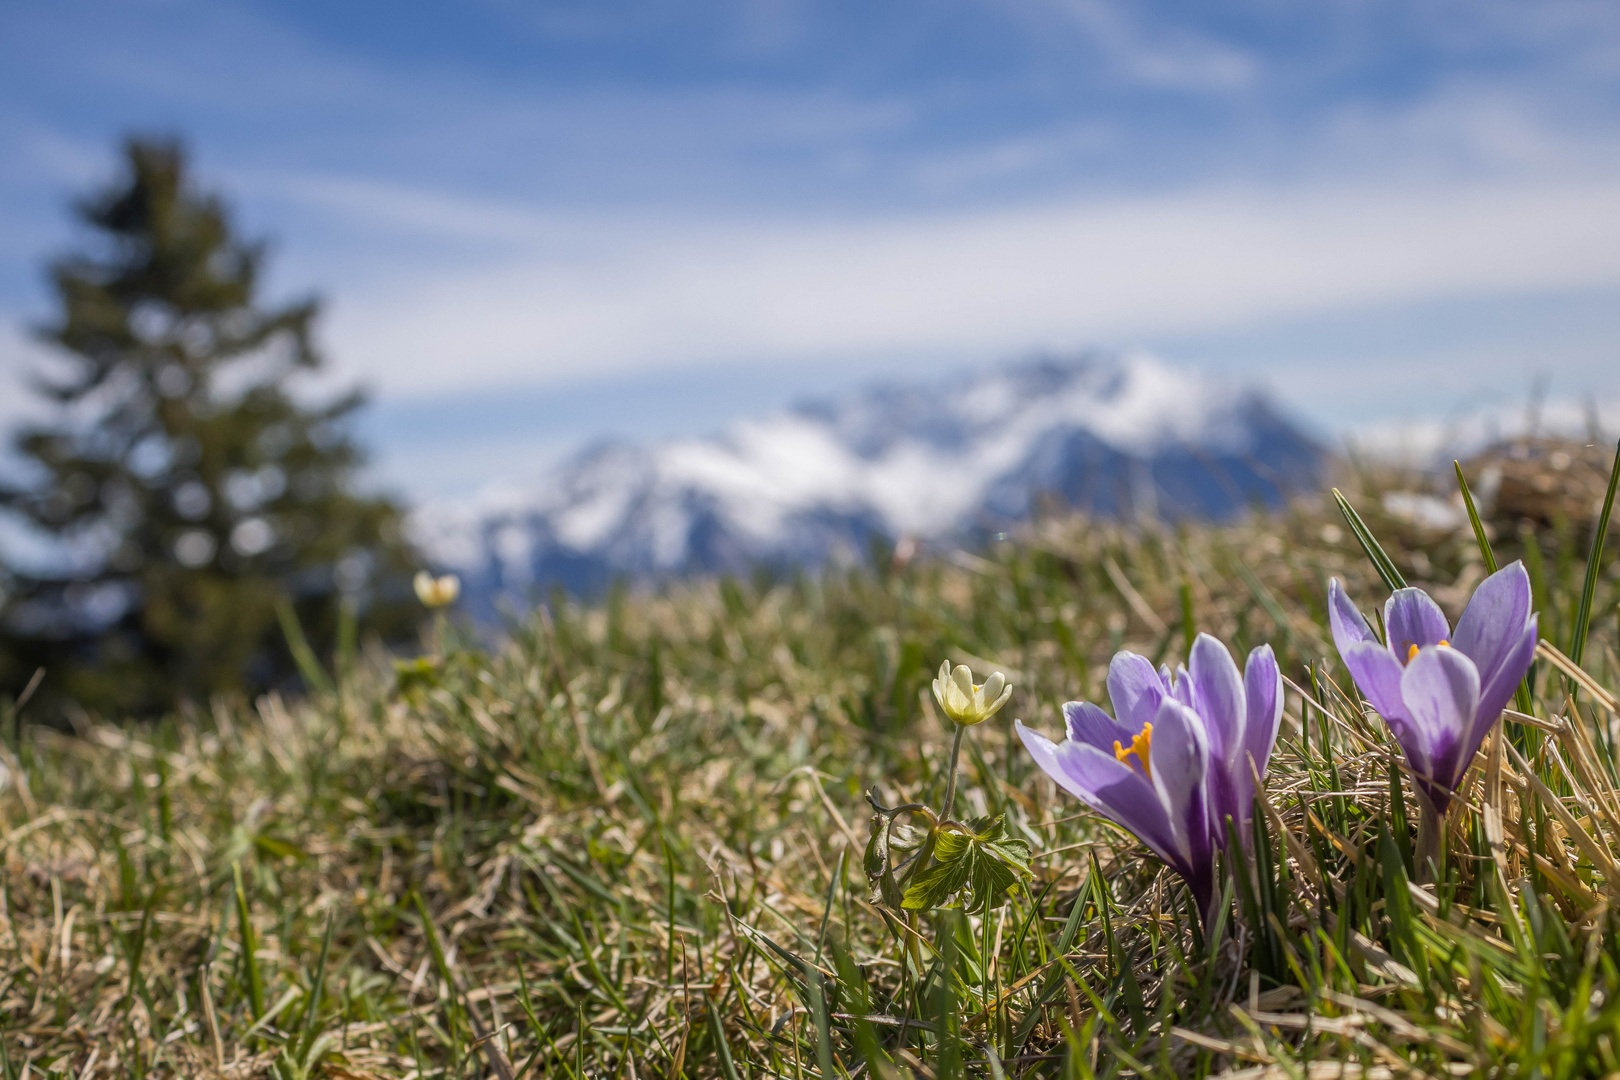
946	458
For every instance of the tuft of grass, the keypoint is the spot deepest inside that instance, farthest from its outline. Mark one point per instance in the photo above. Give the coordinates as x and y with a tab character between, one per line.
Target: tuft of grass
627	840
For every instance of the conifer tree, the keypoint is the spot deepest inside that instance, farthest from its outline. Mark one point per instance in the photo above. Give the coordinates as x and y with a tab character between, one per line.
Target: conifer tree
182	486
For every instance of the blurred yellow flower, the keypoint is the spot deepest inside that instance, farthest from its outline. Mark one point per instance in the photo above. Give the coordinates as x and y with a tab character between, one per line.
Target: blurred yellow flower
437	592
966	703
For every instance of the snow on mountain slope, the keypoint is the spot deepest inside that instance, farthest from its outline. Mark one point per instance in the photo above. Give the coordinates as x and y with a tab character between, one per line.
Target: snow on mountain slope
936	459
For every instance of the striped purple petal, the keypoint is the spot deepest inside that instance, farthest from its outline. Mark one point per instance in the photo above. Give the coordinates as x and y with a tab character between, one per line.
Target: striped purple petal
1220	703
1441	690
1377	675
1349	625
1113	789
1090	725
1411	617
1263	696
1135	689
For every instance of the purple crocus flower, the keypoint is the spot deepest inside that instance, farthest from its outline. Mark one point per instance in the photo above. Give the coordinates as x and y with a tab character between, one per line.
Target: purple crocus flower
1440	689
1178	757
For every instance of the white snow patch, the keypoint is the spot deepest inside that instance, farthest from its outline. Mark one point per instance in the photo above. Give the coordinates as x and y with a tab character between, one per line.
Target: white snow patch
917	461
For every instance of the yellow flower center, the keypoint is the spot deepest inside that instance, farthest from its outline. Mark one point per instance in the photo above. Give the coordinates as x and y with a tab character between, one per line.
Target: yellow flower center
1412	650
1138	748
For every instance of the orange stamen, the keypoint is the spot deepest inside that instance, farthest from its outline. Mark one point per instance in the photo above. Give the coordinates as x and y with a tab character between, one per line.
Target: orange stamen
1139	747
1412	650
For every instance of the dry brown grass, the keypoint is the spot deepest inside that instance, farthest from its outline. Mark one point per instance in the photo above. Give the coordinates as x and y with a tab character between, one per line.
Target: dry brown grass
633	816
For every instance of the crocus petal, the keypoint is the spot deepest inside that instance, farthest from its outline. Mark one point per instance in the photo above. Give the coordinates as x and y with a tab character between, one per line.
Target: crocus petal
1110	787
1090	725
1135	690
1378	675
1411	617
1349	626
1181	689
1441	690
1263	694
1180	756
1219	699
1220	702
1498	689
1492	625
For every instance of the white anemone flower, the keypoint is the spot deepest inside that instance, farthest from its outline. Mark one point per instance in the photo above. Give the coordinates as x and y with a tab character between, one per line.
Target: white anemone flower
967	703
437	592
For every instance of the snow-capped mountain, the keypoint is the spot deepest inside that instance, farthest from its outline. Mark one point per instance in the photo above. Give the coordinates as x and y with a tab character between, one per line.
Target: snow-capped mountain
942	458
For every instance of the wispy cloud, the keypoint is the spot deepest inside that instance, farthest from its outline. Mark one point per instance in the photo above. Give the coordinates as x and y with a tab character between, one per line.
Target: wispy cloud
683	292
508	194
1157	56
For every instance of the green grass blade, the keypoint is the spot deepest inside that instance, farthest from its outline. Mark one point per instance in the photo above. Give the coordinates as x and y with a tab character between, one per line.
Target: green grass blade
1583	613
250	945
348	648
1398	907
1521	698
826	911
867	1044
1485	551
1238	870
317	986
138	950
310	668
948	1051
1054	980
722	1046
1375	551
818	1009
542	1033
1189	627
442	966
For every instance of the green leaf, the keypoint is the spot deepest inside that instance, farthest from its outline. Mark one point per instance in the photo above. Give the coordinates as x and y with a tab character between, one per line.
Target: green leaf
420	674
881	886
876	862
935	886
979	861
277	848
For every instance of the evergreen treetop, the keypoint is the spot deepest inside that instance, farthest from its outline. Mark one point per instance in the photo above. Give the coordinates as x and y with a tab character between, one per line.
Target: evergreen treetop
182	486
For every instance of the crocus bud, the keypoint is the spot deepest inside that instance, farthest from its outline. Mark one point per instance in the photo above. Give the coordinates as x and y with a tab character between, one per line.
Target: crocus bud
437	592
966	703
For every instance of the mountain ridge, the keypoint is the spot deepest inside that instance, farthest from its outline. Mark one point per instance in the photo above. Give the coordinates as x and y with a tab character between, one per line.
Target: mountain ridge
943	459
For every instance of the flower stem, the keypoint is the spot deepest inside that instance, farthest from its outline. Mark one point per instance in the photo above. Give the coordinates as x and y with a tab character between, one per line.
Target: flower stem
950	783
1428	843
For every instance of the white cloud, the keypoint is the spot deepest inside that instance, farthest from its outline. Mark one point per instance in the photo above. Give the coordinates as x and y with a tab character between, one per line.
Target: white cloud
663	294
1159	56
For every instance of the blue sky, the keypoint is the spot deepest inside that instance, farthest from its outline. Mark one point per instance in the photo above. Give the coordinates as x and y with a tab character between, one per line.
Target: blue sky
539	223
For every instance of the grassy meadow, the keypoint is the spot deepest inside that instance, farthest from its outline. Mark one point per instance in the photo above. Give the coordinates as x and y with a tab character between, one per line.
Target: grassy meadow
628	840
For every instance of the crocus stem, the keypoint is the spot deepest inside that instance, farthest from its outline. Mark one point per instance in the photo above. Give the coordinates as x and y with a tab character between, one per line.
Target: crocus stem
950	782
1428	843
1210	910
